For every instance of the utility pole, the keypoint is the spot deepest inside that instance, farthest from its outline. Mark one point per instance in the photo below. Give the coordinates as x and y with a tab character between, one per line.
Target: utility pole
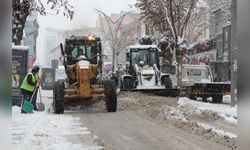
113	29
233	56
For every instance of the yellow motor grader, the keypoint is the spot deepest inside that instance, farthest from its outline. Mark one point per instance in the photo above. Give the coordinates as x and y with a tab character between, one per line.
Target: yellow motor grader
82	59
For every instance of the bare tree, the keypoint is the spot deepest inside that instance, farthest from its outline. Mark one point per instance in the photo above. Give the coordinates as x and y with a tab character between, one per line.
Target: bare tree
198	24
23	8
123	39
117	34
171	18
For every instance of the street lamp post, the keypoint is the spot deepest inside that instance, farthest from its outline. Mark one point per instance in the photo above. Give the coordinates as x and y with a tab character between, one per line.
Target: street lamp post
113	29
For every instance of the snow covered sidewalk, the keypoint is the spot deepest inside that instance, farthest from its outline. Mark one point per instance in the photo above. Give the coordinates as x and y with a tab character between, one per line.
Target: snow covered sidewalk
48	131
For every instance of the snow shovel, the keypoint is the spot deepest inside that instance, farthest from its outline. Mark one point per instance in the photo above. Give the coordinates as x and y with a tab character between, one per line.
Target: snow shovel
40	106
27	106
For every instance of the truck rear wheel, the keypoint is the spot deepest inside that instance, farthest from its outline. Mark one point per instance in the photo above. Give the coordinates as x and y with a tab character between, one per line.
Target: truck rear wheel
111	97
191	95
217	98
58	97
204	98
127	83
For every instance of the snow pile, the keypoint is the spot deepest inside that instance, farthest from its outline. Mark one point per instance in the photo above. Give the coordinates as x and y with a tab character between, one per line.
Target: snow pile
218	131
229	119
41	130
173	113
225	111
218	108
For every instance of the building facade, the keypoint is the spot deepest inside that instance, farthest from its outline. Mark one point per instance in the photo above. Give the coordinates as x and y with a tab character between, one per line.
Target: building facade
31	33
53	39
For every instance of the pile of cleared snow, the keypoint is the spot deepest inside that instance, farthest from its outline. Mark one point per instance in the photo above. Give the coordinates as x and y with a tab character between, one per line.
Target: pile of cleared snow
218	131
173	113
224	110
219	108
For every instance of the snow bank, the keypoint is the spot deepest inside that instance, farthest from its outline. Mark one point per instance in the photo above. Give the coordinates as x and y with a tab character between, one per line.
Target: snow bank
219	108
229	119
218	131
224	110
173	113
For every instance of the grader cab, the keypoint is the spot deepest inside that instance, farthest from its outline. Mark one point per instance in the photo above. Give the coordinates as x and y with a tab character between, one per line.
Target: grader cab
82	59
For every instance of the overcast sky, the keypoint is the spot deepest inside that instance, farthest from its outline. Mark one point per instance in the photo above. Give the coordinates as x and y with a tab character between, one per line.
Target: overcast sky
85	15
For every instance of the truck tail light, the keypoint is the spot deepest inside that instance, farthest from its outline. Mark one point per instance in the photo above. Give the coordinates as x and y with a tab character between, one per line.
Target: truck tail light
198	90
226	90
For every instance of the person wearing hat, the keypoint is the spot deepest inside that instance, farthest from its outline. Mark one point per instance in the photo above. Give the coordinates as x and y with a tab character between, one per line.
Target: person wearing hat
115	78
29	85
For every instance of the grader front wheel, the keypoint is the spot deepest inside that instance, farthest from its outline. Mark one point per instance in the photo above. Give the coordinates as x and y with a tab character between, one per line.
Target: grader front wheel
111	97
58	97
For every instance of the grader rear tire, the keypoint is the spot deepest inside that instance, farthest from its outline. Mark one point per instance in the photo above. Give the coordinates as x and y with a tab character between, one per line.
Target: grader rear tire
111	97
58	97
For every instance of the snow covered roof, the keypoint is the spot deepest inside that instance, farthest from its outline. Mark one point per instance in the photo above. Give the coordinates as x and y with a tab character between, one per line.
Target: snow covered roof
141	46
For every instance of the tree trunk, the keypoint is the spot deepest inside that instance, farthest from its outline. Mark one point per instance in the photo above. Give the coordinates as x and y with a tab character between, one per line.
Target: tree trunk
20	12
167	61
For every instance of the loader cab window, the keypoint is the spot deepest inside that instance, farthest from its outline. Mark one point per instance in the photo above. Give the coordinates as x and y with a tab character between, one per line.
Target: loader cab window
153	58
143	55
148	56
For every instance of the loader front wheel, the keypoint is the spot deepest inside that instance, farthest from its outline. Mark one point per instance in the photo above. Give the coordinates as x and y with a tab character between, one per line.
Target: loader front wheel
58	97
111	97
